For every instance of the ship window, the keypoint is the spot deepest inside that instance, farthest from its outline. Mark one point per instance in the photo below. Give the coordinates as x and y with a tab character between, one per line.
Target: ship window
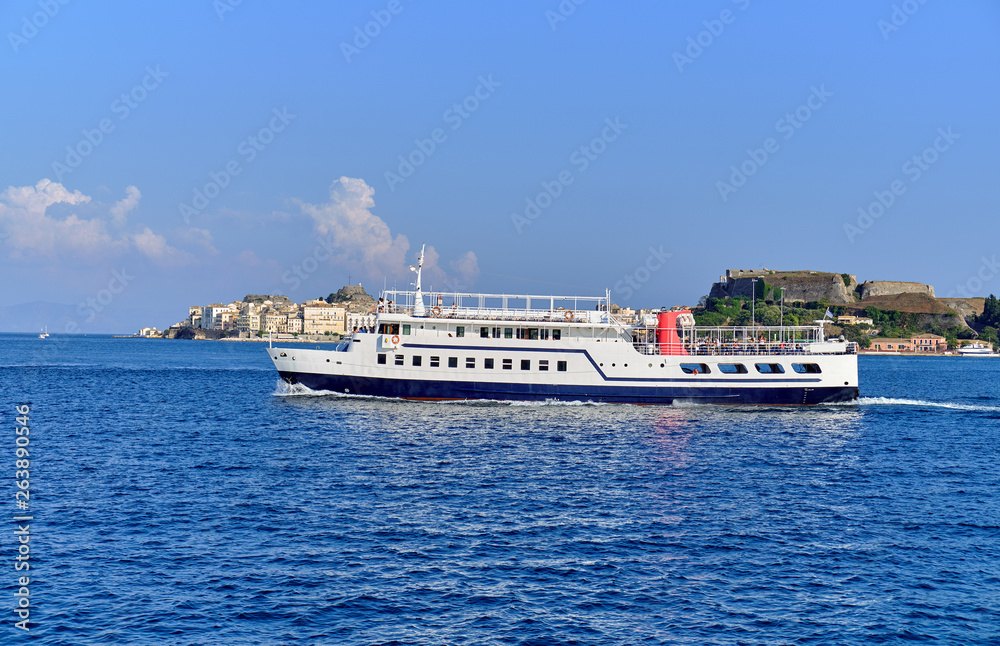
525	364
545	334
769	368
543	364
496	333
452	362
508	364
508	333
811	368
399	359
556	334
416	359
560	365
530	333
470	362
695	368
406	329
460	331
733	368
381	359
484	332
435	362
388	328
488	364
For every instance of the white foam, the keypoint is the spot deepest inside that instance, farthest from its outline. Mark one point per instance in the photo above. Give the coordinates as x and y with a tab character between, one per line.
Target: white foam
285	389
893	401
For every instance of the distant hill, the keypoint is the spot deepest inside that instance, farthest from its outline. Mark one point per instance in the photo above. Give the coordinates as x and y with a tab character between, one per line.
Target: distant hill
817	288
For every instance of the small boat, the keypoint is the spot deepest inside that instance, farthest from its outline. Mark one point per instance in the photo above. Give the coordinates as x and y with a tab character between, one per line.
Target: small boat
44	333
976	349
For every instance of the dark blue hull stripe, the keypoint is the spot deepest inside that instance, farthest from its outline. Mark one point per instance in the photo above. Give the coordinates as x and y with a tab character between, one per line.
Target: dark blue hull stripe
426	389
642	357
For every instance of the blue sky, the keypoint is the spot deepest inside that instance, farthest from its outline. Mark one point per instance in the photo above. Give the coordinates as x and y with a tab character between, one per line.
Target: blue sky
641	147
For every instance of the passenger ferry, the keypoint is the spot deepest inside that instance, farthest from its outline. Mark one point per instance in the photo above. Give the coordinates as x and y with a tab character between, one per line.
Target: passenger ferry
463	346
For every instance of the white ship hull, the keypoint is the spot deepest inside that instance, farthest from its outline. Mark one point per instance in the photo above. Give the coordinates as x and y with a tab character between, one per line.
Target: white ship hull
570	348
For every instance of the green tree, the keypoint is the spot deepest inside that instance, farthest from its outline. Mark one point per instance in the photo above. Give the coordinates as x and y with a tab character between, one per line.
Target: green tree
991	312
770	315
855	333
989	334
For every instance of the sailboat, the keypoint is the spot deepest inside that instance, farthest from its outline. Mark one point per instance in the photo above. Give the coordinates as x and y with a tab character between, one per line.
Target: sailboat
45	333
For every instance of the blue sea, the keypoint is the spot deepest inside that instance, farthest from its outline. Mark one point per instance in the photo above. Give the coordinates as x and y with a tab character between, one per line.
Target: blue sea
181	495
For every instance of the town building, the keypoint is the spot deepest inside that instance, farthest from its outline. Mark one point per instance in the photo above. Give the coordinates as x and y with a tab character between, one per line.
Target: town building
854	320
273	321
293	322
248	321
915	343
319	317
359	320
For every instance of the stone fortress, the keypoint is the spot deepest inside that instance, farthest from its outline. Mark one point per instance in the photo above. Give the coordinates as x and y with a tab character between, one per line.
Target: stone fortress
811	286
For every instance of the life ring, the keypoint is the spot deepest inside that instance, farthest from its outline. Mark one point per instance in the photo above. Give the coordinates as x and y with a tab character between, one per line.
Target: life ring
436	311
569	315
395	339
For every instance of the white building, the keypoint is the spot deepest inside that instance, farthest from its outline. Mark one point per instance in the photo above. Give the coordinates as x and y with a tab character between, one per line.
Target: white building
319	317
359	321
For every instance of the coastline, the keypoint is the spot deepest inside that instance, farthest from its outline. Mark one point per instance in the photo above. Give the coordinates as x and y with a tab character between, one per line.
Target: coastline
926	354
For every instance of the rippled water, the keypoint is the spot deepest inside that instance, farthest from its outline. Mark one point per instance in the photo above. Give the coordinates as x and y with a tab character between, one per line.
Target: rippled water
182	496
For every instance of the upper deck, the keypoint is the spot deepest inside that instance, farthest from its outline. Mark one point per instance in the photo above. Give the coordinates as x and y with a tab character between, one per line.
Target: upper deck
503	307
589	318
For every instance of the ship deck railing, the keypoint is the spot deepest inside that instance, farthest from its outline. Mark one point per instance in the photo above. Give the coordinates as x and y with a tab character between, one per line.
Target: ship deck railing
536	316
762	340
502	307
743	349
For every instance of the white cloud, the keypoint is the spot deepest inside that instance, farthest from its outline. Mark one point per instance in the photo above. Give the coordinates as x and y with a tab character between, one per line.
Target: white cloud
363	242
122	208
201	238
362	238
31	230
155	247
248	258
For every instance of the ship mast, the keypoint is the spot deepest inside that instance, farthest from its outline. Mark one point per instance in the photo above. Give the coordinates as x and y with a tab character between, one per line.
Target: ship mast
418	304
